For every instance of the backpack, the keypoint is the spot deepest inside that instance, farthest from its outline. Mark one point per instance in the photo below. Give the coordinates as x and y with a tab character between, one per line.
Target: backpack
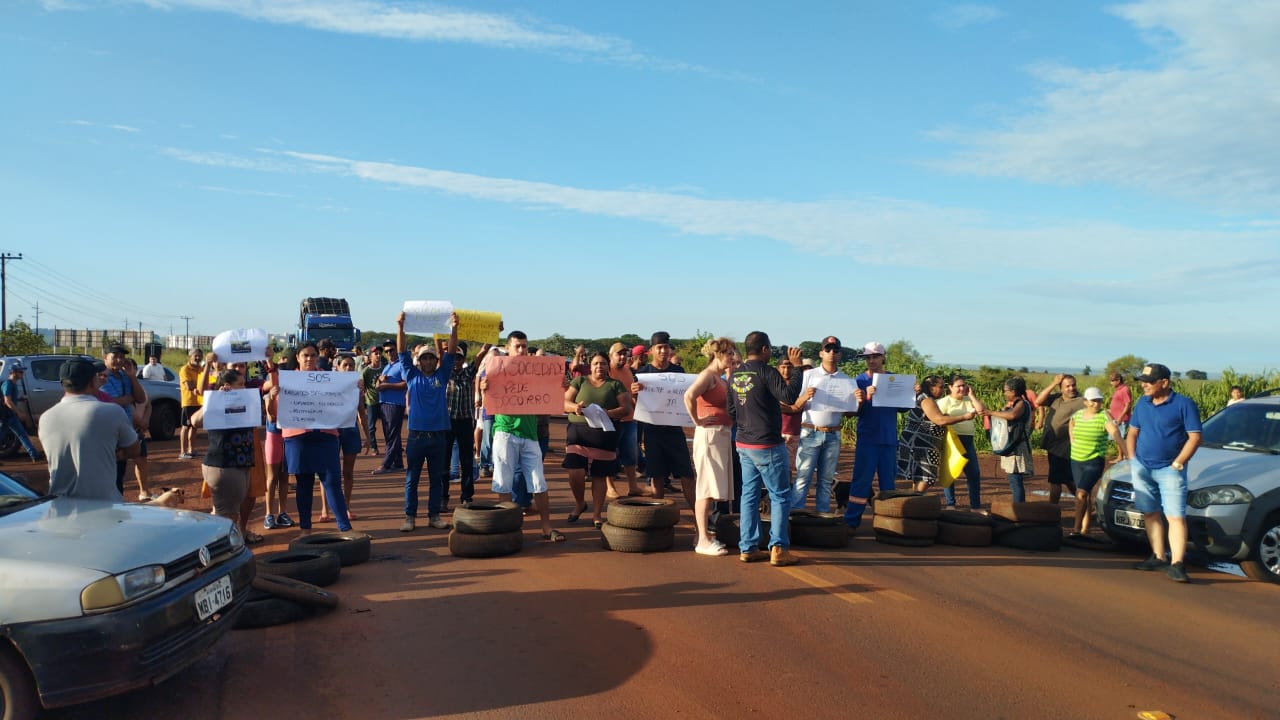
1007	436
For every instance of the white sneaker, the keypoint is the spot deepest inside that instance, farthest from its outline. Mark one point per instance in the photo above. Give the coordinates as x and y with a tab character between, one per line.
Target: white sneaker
714	549
407	525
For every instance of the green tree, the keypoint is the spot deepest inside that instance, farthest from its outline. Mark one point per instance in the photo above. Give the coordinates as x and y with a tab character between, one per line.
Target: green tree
690	352
1197	375
20	339
1086	371
902	352
811	350
557	344
1126	365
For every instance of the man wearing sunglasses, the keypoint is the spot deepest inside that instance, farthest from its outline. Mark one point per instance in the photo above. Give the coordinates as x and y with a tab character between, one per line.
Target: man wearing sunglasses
819	434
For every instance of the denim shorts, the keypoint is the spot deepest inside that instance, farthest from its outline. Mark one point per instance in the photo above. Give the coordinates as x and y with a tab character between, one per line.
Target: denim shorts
1161	488
1087	473
628	448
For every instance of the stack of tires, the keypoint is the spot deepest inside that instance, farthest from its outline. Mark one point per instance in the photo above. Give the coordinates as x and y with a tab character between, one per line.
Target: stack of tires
818	529
487	530
290	584
906	518
1027	526
640	525
965	529
729	531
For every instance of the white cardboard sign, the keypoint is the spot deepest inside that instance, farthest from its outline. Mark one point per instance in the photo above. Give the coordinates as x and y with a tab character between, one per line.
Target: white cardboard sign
661	398
317	400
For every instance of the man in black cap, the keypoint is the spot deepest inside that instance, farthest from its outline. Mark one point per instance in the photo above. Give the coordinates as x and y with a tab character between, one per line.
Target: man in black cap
666	449
129	394
1164	433
460	394
81	436
13	410
820	432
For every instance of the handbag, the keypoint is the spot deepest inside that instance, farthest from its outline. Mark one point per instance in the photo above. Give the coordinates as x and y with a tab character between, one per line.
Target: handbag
1007	436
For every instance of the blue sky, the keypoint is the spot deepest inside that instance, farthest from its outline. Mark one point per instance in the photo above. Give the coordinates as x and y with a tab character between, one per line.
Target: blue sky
1024	183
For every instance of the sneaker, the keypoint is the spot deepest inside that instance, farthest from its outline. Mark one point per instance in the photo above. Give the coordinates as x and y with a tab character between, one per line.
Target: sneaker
754	555
713	549
1177	573
438	523
781	557
407	525
269	522
283	520
486	472
1153	563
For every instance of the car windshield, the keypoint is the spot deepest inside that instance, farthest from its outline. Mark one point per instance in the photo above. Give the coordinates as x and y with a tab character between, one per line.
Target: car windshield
1251	426
340	336
14	494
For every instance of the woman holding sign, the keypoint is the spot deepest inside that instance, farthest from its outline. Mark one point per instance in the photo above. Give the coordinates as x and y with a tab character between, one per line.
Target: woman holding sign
228	462
591	448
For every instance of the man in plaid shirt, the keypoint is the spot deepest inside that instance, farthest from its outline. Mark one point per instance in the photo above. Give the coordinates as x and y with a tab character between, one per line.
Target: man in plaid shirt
460	395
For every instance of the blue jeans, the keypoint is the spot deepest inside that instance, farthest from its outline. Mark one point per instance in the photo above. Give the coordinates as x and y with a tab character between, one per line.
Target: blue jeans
392	419
972	475
13	424
331	486
427	446
869	461
818	454
486	444
764	469
1015	487
372	414
1156	489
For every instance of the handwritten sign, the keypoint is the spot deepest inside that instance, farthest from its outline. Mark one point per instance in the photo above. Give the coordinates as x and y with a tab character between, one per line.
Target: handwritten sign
478	326
230	409
425	317
661	398
831	393
524	385
241	345
898	391
317	400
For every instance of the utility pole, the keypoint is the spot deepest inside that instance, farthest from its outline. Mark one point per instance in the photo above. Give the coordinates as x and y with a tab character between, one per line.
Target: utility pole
4	319
188	319
37	309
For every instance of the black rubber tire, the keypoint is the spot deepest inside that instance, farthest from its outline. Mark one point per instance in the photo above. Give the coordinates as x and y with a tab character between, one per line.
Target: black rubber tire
1027	512
1089	542
891	494
964	535
295	590
727	530
810	518
488	518
906	527
914	507
643	513
9	445
961	517
1263	563
888	539
18	697
309	566
1001	526
164	420
819	536
270	611
631	540
470	545
1035	538
352	548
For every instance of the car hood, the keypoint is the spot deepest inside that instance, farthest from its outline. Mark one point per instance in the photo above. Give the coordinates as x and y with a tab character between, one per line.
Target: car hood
106	536
1254	471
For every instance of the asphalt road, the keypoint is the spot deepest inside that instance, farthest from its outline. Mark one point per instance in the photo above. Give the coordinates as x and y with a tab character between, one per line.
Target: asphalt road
571	630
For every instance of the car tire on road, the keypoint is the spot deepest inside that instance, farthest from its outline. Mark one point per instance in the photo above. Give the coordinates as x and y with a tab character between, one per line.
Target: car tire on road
9	445
18	699
906	527
467	545
488	518
888	539
295	590
309	566
1264	562
631	540
164	421
1032	537
1027	512
643	513
964	535
917	507
269	611
960	517
352	548
819	536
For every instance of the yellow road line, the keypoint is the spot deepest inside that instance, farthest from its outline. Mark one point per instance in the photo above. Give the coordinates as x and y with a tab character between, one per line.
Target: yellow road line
853	598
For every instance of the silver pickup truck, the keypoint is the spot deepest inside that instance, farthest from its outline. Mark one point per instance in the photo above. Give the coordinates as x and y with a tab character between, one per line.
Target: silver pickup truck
44	390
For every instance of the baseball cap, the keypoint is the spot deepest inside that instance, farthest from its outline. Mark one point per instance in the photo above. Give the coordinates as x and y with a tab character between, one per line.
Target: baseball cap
637	351
118	349
873	348
1092	393
660	338
16	366
1154	372
80	372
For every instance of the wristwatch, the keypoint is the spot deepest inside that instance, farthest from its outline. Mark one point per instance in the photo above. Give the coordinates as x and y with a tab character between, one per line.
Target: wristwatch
1177	465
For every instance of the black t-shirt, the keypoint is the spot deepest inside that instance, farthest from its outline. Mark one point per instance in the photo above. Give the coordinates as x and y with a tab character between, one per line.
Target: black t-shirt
756	389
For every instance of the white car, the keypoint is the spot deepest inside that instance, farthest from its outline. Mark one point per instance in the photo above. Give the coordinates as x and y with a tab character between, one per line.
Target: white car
99	597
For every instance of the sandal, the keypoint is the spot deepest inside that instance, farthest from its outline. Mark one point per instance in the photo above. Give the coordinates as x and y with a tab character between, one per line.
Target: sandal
554	536
573	516
325	518
351	515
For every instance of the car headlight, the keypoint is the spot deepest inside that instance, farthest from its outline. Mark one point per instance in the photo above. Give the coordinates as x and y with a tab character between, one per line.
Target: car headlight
1220	495
119	589
236	538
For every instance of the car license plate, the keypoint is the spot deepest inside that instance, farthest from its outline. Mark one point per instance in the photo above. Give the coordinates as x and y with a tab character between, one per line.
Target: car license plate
1128	518
213	598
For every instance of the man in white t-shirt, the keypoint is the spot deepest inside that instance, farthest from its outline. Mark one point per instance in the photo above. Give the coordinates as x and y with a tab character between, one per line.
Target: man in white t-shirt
820	432
153	370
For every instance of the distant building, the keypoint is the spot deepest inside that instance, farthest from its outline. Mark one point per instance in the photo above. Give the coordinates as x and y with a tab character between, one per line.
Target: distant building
90	340
186	342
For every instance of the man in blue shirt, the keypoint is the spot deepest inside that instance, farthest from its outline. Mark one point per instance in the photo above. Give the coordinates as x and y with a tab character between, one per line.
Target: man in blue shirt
427	379
1164	433
13	413
391	388
123	388
876	452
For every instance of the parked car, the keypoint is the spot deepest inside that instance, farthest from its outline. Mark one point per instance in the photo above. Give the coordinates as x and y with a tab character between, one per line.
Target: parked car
1233	491
44	390
99	597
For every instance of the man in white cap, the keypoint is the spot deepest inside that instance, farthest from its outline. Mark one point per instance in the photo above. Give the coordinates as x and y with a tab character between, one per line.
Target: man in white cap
876	452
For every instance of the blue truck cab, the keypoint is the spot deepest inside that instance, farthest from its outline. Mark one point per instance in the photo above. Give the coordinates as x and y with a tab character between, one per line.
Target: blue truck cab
320	318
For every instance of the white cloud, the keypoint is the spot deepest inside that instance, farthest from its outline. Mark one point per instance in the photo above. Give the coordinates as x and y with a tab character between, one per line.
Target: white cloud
237	191
124	128
958	17
1198	126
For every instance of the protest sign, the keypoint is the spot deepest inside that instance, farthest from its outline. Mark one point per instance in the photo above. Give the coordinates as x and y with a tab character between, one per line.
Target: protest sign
830	393
230	409
661	398
478	326
242	345
524	385
898	391
426	317
317	400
